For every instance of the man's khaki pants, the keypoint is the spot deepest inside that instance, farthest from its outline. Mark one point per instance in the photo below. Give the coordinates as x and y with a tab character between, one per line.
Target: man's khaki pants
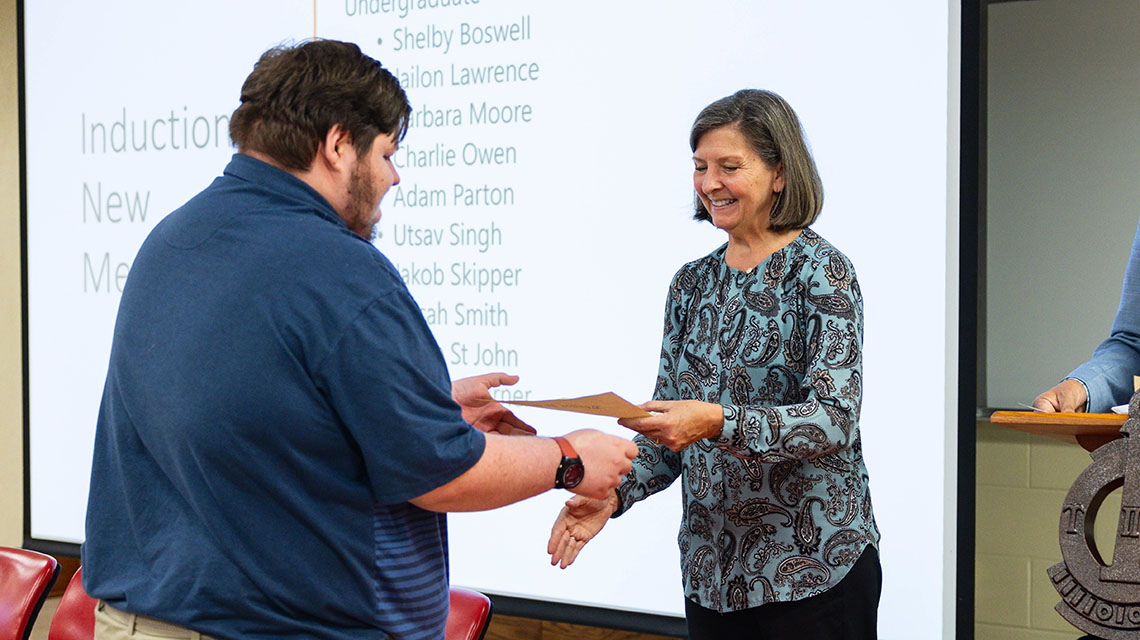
112	624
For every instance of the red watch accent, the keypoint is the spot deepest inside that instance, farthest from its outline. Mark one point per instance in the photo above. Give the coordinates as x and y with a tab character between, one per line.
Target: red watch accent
567	448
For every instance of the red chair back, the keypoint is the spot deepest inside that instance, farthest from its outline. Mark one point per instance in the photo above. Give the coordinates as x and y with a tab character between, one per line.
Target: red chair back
26	577
75	617
469	617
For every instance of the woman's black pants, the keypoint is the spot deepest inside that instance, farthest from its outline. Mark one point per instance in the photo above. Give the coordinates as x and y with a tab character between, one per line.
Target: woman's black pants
847	611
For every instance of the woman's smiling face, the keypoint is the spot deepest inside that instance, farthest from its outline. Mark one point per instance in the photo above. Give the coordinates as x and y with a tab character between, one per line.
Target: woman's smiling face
736	186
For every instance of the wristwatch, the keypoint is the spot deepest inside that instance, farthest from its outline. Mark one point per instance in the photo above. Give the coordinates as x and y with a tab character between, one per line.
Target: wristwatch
570	470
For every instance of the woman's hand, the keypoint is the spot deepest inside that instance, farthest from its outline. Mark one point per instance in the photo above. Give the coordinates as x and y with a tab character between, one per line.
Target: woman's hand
579	521
482	411
678	423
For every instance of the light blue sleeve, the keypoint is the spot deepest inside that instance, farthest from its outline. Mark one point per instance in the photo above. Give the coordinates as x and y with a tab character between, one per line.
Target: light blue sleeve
1108	374
827	421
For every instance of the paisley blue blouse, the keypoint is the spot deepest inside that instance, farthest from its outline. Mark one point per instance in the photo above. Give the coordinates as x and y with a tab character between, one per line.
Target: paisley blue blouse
777	507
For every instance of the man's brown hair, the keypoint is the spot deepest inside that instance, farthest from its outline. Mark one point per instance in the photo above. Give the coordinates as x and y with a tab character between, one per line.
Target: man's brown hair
295	94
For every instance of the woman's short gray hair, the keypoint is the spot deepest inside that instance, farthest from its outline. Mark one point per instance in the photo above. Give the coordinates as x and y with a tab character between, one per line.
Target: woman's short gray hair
773	131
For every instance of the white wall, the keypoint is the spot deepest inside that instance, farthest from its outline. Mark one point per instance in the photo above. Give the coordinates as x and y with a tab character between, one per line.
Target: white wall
1064	185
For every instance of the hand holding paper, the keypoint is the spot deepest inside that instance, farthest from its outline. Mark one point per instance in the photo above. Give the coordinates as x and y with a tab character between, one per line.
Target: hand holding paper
674	424
601	404
481	410
677	424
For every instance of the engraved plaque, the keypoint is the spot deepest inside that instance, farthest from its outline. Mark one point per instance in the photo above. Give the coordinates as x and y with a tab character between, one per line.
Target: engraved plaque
1099	598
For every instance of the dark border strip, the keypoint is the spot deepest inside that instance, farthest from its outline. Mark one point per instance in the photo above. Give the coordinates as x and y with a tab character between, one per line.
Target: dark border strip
972	169
590	616
23	187
52	547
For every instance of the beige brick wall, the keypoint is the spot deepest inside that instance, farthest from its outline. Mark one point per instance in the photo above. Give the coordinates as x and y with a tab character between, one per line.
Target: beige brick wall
1021	482
11	376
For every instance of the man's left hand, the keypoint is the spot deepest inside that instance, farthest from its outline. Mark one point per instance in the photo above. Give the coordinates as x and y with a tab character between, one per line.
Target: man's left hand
482	411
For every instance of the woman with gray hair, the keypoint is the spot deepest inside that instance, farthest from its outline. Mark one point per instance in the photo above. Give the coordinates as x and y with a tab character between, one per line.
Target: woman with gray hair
757	401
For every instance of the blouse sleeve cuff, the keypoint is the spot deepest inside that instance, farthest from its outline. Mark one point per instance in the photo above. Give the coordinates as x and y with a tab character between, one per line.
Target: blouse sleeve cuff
621	501
654	469
730	434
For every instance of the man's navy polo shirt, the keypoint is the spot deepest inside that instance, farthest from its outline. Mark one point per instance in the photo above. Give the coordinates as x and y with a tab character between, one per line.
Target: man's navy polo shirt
274	399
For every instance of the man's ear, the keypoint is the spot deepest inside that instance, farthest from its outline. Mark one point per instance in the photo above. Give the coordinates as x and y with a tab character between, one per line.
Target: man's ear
336	151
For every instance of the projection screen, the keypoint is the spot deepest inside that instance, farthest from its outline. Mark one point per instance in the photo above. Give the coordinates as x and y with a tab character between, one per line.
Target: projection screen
545	203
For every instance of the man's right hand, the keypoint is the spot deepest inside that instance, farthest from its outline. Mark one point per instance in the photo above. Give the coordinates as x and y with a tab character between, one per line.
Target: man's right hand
605	458
1067	397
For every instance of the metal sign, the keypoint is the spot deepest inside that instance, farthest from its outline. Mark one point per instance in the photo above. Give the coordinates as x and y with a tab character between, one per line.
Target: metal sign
1096	597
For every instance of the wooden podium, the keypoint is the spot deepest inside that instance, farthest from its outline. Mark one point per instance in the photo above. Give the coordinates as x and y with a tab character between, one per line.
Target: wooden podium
1096	597
1090	430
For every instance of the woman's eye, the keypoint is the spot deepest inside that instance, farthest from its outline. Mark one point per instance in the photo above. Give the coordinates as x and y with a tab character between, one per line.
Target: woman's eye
731	169
699	169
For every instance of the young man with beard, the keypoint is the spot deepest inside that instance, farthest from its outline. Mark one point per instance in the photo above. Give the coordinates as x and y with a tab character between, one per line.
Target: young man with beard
278	437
